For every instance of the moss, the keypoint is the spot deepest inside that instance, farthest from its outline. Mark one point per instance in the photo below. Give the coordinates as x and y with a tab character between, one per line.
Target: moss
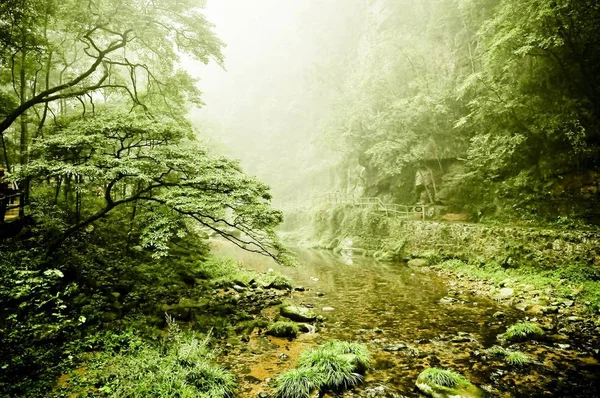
523	331
283	329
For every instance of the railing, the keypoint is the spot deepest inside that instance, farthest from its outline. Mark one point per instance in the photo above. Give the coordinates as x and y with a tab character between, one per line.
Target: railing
10	206
393	209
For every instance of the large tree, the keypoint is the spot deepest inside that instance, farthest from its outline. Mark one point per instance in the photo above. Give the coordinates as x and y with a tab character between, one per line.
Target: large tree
153	165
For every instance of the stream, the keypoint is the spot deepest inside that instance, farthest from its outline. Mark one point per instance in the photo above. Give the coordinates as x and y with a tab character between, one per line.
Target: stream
409	322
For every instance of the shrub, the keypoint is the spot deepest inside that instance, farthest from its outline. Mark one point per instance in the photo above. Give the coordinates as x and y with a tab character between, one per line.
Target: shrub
523	331
283	329
443	378
298	383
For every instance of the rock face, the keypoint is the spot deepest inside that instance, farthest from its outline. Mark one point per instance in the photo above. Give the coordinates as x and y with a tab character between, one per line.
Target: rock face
298	314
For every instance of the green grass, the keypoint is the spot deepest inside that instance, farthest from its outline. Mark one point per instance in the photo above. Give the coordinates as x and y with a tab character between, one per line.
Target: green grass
283	329
223	271
579	280
517	358
523	331
338	369
298	383
362	356
443	378
331	366
181	365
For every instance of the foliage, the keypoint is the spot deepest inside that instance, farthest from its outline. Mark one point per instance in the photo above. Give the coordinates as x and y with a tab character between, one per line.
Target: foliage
517	358
361	355
331	366
148	164
523	331
338	369
298	383
181	367
487	107
443	378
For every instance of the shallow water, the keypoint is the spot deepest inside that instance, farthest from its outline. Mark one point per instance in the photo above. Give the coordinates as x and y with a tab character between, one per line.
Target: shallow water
396	311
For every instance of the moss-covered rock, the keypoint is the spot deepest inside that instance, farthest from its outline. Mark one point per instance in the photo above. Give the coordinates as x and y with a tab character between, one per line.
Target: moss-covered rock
283	329
443	383
298	314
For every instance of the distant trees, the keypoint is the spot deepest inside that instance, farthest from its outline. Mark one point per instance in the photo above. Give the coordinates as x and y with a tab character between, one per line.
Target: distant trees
509	87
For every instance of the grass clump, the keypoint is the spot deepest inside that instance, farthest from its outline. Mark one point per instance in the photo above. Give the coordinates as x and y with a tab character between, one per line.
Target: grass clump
361	356
337	368
443	378
298	383
523	331
283	329
517	358
335	365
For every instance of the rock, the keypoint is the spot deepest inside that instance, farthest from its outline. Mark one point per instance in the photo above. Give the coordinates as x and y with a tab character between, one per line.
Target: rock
523	306
417	262
239	288
563	346
574	318
328	308
300	288
395	347
568	303
298	314
319	294
263	394
504	293
320	318
447	300
312	278
307	328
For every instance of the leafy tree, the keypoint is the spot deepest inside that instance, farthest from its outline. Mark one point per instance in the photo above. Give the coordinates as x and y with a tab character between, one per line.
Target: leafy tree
152	162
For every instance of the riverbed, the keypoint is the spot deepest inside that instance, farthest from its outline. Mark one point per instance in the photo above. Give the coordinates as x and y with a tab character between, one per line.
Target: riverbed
409	321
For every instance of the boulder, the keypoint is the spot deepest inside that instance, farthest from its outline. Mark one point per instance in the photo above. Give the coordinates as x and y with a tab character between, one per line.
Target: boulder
298	314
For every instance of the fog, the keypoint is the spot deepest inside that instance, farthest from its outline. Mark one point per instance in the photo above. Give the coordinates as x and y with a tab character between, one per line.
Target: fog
284	62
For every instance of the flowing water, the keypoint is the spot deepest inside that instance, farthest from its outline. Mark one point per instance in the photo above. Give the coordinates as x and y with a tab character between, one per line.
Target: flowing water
407	321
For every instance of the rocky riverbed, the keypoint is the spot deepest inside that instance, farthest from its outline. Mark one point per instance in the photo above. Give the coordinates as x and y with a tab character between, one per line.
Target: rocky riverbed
416	318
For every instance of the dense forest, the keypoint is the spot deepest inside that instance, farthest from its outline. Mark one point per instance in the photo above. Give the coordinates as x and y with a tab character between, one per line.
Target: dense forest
132	169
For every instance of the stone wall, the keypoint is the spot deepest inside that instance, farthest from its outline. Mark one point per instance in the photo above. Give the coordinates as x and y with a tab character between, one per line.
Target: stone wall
508	246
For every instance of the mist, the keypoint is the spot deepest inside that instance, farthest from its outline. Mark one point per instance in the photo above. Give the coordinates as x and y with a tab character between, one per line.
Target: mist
269	102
